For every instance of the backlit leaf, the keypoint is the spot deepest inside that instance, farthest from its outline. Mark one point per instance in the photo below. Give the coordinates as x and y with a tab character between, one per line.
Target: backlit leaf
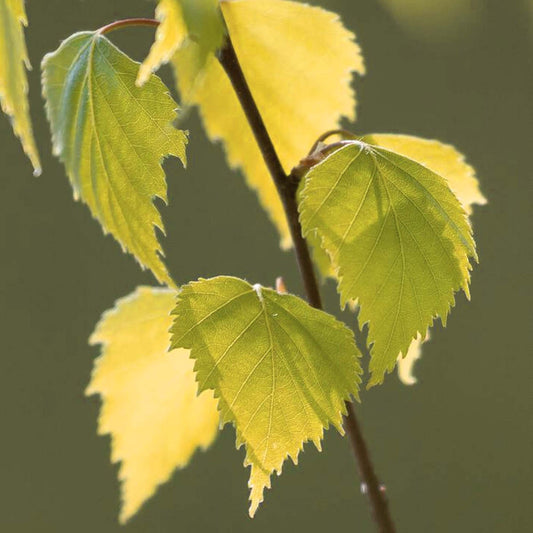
169	36
449	163
112	137
298	61
398	238
149	396
182	20
13	81
442	158
281	370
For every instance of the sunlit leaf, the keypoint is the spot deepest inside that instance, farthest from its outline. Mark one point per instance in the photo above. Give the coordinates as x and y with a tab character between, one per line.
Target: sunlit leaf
442	158
281	370
198	21
298	61
112	137
448	162
398	238
13	81
169	36
149	397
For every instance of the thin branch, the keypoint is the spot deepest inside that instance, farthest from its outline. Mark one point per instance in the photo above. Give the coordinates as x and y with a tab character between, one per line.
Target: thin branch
287	188
344	134
128	23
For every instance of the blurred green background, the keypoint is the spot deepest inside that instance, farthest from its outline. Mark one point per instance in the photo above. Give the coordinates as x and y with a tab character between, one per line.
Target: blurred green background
454	450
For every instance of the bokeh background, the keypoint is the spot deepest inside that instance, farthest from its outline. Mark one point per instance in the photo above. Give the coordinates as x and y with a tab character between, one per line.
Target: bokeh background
454	450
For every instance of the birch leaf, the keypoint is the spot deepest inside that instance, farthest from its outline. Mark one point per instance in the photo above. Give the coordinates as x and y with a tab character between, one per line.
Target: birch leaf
281	370
183	20
446	161
112	137
443	159
149	397
169	36
298	61
398	238
13	81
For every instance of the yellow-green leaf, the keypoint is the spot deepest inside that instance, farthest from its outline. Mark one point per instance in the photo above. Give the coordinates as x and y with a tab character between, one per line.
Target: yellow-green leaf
182	20
281	370
444	159
150	402
169	36
112	136
298	61
13	81
398	238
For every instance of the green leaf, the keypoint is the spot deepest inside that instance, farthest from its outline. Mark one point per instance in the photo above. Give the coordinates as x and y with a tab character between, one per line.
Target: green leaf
300	90
112	137
398	238
150	402
444	159
13	80
281	369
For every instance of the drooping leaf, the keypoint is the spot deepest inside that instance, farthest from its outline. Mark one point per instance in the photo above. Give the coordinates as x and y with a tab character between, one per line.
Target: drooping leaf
182	20
298	61
13	81
112	137
281	369
398	238
442	158
149	397
446	161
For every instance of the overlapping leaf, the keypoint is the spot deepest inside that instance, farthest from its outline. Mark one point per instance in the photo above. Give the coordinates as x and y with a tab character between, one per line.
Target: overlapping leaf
150	404
112	137
298	61
443	159
281	370
182	21
398	238
169	36
448	162
13	80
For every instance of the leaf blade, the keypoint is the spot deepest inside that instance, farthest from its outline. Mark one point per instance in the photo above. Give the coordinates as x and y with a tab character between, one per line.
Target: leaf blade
182	22
13	79
443	159
111	137
169	36
372	208
149	397
280	369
